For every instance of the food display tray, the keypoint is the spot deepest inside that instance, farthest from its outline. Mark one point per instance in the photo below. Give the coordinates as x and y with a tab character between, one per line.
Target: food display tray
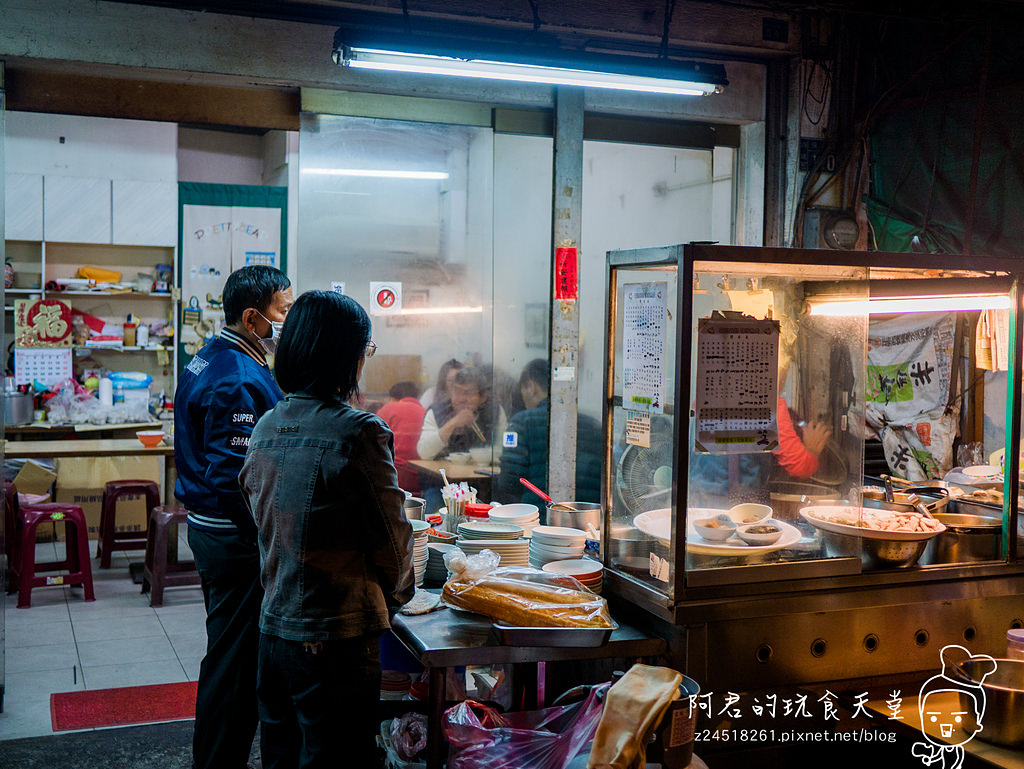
554	636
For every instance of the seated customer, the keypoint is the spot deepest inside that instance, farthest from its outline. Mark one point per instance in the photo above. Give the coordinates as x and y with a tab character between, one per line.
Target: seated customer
528	458
335	545
467	420
404	415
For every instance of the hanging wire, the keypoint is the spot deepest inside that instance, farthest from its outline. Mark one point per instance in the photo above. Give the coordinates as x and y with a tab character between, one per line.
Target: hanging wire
670	9
536	14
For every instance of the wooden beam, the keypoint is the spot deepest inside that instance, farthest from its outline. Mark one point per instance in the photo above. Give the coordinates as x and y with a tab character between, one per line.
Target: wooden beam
264	108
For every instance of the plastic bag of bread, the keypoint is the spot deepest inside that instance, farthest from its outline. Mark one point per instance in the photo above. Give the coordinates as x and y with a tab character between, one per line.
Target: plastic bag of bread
520	595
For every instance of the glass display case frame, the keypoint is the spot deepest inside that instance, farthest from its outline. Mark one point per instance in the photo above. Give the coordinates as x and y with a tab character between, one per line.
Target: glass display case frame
690	584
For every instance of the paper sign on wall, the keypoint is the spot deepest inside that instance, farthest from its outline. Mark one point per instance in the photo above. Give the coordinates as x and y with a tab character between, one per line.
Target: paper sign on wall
49	366
644	332
385	297
567	285
338	287
638	430
736	393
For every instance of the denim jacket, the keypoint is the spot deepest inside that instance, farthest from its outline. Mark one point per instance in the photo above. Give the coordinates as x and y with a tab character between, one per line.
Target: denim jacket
335	545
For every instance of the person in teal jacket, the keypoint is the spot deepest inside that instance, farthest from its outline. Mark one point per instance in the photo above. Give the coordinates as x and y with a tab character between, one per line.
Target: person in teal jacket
525	453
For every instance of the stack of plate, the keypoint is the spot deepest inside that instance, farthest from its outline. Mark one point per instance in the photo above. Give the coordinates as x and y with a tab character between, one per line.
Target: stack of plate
522	515
394	684
419	549
513	552
555	543
590	573
489	530
436	573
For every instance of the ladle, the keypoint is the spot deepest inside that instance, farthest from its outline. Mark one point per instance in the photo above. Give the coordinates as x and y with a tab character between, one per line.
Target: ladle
535	490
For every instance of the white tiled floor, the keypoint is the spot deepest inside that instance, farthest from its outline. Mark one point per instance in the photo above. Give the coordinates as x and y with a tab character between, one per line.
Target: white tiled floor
61	643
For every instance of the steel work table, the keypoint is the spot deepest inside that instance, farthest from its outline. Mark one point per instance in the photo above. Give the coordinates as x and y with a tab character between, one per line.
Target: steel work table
444	639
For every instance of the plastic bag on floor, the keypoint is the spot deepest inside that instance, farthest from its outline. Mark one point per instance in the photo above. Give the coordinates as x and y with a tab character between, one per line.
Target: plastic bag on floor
482	738
393	760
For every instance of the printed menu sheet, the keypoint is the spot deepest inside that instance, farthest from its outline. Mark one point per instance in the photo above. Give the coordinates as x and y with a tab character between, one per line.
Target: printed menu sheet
736	396
643	347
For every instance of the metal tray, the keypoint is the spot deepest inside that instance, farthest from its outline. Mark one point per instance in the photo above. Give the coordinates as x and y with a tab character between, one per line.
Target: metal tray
554	636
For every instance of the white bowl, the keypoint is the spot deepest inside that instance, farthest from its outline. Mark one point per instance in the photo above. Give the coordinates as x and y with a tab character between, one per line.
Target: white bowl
459	457
559	535
768	538
718	533
516	512
749	512
481	455
582	569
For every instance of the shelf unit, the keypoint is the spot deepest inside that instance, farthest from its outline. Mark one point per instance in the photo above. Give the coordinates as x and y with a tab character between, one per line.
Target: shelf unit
56	260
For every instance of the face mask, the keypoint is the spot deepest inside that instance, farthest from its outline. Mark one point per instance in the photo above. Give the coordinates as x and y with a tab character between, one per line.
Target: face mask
269	343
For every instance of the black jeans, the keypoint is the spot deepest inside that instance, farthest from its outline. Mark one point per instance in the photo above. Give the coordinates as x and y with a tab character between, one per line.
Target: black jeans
226	715
318	702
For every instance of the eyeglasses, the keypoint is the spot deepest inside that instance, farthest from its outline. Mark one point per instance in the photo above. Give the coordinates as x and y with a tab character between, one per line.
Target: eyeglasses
371	348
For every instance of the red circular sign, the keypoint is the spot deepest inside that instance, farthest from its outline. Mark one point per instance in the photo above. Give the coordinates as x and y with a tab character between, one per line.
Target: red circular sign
385	297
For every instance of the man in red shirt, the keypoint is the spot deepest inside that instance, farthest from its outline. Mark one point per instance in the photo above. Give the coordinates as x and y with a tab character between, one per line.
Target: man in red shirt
404	415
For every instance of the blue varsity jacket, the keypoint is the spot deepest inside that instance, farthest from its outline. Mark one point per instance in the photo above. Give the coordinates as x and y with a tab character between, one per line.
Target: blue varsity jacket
221	395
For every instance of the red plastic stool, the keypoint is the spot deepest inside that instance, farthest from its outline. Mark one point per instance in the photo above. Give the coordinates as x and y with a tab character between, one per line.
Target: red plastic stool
111	540
76	545
161	571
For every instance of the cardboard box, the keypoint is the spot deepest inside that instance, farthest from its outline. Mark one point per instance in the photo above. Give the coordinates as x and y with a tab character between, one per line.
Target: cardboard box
33	478
80	481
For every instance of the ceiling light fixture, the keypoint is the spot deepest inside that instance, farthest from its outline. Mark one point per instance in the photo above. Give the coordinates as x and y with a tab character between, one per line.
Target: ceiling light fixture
430	46
396	61
959	303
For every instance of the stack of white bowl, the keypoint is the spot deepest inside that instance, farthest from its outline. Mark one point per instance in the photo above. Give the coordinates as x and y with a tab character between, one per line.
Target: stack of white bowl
436	573
419	549
520	514
555	543
588	572
505	539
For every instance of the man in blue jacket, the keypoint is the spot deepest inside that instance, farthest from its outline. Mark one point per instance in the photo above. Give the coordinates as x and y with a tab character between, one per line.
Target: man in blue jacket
221	395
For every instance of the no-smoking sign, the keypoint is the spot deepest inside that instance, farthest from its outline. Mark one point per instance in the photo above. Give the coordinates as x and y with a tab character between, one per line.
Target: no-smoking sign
385	298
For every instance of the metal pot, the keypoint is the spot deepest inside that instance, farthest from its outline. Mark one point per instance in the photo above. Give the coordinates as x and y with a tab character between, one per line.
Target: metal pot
1004	701
17	409
575	515
874	553
630	548
414	508
787	498
967	539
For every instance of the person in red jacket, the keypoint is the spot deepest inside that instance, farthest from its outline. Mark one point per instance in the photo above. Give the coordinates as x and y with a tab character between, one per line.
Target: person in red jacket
404	415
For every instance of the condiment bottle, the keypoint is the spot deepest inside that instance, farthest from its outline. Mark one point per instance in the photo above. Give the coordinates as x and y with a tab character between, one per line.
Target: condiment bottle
106	392
1015	643
129	334
143	335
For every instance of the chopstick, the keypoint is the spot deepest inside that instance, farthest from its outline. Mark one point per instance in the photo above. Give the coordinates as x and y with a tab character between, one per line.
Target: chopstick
476	429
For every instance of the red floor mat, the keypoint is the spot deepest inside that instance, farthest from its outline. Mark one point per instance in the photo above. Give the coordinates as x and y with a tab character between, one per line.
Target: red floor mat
128	705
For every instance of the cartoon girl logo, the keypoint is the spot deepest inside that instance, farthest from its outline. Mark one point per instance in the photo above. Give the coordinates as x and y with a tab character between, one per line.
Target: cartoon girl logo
952	705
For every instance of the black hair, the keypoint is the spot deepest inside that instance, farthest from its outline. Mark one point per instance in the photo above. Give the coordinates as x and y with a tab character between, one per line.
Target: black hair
441	388
323	339
476	377
537	370
401	390
251	286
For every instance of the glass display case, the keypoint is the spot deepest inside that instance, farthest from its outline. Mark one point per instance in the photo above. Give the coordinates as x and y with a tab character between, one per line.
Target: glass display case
743	389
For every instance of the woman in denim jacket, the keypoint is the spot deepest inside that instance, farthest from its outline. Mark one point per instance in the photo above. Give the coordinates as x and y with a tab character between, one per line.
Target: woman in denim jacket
335	545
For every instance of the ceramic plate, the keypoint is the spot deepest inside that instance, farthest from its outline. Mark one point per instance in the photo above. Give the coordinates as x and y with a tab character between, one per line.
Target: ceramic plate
816	516
658	522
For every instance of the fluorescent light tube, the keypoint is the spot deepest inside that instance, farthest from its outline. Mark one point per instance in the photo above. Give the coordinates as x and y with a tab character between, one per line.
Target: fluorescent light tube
440	310
390	61
960	303
376	174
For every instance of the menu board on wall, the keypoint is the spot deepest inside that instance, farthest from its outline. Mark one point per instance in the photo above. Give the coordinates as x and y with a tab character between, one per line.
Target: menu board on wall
736	394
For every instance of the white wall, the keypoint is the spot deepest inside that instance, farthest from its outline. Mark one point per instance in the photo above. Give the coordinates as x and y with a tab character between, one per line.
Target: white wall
99	148
219	157
636	196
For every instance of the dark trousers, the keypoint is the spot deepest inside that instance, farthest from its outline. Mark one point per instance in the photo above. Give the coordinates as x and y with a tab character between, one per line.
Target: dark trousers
226	716
318	702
